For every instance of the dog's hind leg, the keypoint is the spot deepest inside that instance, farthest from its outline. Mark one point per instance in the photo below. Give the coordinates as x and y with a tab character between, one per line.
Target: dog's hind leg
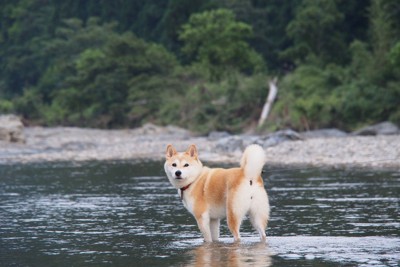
260	224
259	213
234	225
214	227
234	218
238	204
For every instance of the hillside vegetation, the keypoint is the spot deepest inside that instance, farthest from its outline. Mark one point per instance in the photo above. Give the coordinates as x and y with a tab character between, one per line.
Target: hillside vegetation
202	64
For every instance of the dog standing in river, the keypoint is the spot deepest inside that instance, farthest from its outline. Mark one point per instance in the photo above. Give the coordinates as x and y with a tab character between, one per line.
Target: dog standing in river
211	194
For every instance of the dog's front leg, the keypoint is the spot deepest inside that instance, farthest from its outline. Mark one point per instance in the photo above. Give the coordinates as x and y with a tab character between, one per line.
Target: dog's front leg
214	227
203	221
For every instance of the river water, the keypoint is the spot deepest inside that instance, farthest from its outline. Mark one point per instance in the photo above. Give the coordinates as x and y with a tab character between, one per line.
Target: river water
127	214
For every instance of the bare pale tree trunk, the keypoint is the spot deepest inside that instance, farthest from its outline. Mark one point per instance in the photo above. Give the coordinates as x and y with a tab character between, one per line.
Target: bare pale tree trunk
273	91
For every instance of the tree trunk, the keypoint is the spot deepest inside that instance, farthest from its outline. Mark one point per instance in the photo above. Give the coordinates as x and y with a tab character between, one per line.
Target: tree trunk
273	90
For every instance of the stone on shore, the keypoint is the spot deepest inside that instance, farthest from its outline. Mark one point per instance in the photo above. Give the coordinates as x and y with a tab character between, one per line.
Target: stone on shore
11	129
278	137
237	143
216	135
151	129
324	133
383	128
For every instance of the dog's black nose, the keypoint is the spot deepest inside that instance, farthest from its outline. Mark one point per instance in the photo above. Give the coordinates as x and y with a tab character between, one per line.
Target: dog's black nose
178	173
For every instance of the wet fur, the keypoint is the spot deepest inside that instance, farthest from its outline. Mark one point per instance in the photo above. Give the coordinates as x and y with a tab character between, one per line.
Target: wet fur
216	193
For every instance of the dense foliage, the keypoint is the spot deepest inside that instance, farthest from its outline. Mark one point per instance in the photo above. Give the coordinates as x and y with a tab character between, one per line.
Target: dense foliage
200	64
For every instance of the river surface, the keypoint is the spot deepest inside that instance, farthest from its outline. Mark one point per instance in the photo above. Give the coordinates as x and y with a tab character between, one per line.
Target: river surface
127	214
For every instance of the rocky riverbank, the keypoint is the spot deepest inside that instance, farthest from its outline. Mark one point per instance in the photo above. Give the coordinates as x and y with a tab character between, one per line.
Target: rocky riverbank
329	148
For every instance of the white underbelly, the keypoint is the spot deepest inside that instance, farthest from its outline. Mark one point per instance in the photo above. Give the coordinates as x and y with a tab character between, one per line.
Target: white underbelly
218	212
214	212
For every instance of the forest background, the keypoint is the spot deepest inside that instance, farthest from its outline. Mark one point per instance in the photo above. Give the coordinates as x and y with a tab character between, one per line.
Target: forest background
201	64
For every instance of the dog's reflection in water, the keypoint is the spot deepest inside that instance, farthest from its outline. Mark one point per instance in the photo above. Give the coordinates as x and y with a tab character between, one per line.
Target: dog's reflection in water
234	254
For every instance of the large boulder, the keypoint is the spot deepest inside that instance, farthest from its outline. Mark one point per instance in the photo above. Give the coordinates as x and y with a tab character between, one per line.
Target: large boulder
237	143
278	137
230	144
324	133
383	128
11	129
216	135
150	129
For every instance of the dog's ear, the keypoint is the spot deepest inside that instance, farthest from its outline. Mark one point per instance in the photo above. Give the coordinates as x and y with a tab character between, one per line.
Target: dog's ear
192	151
170	151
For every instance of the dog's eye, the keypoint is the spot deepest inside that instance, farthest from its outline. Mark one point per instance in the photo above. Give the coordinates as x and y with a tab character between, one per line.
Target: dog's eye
173	164
186	165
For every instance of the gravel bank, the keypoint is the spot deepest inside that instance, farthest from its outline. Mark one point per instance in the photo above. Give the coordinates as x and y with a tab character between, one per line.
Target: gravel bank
353	151
149	142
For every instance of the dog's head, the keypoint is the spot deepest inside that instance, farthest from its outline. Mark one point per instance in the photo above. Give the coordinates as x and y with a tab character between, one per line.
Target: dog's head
182	168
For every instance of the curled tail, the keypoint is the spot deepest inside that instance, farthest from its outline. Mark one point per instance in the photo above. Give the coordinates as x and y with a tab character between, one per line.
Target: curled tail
253	161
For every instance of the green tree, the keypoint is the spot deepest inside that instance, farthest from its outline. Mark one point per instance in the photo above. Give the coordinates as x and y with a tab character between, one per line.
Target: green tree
71	40
364	91
216	41
372	91
231	104
315	34
118	84
384	36
25	26
269	20
309	97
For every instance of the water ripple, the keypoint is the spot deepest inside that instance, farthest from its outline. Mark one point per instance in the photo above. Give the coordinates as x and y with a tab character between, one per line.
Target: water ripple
102	214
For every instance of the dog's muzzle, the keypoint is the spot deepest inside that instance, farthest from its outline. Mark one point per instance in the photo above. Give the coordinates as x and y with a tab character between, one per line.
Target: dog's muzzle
178	175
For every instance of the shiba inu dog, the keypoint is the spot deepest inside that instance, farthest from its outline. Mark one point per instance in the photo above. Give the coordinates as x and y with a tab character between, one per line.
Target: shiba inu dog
211	194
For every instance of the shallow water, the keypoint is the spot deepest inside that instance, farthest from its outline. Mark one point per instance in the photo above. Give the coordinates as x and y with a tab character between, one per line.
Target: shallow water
127	214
